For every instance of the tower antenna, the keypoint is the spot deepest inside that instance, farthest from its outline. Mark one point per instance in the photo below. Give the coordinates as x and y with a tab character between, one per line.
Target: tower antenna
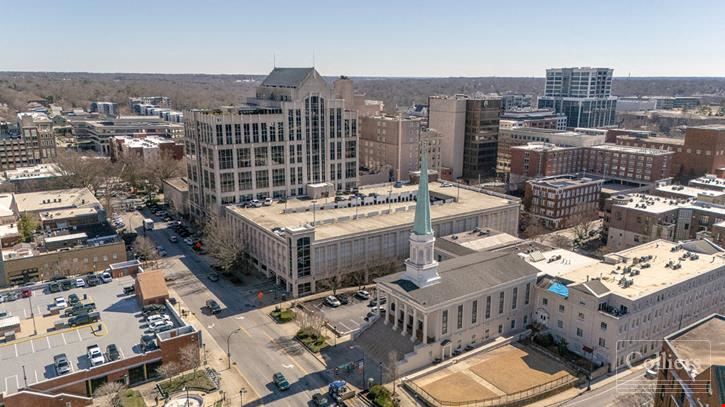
274	60
313	57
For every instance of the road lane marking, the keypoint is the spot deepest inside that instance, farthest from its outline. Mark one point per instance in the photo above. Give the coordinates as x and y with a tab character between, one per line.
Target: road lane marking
36	375
32	347
16	349
288	366
47	338
210	326
63	336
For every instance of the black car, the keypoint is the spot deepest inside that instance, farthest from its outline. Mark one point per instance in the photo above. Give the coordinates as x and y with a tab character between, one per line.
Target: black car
148	342
66	285
54	287
112	352
92	280
374	302
73	299
129	290
343	298
213	307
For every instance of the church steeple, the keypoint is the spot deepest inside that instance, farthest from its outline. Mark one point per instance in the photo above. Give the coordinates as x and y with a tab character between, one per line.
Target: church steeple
422	225
421	268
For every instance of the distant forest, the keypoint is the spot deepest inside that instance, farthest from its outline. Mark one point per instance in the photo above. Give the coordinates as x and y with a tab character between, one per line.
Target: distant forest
202	91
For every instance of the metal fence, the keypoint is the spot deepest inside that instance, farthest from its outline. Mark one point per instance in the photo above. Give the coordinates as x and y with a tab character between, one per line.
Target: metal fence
509	399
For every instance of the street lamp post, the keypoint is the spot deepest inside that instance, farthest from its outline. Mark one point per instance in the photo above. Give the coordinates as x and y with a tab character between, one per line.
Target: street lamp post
186	389
229	352
241	395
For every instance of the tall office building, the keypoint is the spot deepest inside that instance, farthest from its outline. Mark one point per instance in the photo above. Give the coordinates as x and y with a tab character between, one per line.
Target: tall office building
469	133
295	133
584	95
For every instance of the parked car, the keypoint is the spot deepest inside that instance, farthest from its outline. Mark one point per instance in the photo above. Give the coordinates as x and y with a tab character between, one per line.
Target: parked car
128	290
79	309
66	285
93	280
80	282
84	319
148	342
26	292
106	277
112	352
161	325
343	298
332	301
61	364
214	277
268	202
189	241
73	299
173	239
60	302
54	287
157	317
255	203
362	294
280	381
320	400
12	296
374	301
95	356
213	307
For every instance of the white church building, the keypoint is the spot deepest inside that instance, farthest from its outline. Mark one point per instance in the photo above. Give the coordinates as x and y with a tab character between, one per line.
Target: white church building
433	308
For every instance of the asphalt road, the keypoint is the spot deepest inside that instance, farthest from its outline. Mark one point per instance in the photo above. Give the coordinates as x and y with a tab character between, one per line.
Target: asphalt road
259	348
606	395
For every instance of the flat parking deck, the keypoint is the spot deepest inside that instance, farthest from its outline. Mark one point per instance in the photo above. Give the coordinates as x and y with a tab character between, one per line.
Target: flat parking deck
347	318
29	359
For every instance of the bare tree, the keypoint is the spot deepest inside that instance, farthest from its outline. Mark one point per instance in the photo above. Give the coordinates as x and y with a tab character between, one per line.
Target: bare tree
108	394
559	240
189	358
641	396
225	246
168	370
535	231
391	368
83	171
583	223
312	320
164	168
146	249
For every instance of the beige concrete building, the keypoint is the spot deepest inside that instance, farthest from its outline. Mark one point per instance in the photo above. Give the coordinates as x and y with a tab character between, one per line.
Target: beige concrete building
176	194
305	244
44	204
96	134
619	310
394	143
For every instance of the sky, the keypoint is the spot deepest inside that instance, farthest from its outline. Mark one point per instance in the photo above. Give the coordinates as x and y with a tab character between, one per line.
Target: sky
420	38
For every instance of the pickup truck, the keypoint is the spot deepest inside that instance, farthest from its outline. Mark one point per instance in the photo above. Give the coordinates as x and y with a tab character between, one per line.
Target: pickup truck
84	319
95	356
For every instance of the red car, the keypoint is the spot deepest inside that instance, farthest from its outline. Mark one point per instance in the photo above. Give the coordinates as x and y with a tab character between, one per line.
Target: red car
26	292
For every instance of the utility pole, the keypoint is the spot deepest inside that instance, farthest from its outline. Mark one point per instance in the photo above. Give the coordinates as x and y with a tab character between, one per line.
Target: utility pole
229	353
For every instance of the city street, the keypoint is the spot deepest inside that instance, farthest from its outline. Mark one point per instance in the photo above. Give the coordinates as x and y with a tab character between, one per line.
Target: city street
257	345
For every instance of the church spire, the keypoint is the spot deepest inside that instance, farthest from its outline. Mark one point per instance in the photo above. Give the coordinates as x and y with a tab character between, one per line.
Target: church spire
422	223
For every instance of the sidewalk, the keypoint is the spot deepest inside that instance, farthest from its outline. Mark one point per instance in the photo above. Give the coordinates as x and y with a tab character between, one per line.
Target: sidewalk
574	392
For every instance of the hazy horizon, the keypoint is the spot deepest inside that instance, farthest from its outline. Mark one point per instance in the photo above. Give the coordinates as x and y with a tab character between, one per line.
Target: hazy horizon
421	39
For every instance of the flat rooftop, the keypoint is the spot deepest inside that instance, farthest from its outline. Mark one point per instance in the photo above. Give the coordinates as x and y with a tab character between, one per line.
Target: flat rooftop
689	191
566	182
476	240
34	172
703	341
557	262
58	199
122	325
630	150
340	222
654	278
657	204
178	183
536	146
709	181
662	140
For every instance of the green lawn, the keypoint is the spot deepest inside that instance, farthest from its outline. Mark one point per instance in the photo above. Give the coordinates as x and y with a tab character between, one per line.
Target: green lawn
313	340
283	316
199	381
131	398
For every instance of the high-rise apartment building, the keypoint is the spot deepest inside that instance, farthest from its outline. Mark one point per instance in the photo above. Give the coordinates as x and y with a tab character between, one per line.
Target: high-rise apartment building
469	133
584	95
295	132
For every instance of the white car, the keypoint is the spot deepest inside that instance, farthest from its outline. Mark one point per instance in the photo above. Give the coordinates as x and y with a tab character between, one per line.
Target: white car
332	301
106	277
363	295
60	302
268	202
160	326
189	241
255	203
80	282
158	317
173	239
95	356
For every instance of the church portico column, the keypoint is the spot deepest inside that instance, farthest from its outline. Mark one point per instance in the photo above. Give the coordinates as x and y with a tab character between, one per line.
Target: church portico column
395	314
414	328
405	319
425	329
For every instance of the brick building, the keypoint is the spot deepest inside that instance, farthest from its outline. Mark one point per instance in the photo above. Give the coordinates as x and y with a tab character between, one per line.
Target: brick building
556	201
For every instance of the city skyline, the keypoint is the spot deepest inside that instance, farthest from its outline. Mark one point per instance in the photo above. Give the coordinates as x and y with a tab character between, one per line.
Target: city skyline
433	40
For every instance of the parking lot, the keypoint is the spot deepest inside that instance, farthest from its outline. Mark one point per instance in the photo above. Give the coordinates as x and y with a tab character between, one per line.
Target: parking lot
29	359
346	318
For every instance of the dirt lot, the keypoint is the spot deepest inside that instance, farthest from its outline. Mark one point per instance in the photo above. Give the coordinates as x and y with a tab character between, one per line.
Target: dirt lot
458	387
513	369
507	370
